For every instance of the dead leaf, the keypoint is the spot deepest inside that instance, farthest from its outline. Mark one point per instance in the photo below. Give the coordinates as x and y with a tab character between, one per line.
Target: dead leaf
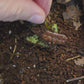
79	62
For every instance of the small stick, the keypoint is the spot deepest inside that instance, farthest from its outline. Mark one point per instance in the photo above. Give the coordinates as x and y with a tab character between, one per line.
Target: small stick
77	78
14	48
73	58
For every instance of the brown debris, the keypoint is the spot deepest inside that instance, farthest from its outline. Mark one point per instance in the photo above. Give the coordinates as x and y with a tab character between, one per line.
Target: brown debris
52	37
73	14
79	61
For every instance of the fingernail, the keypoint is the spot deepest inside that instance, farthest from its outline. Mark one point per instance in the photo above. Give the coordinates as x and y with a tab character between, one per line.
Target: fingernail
37	19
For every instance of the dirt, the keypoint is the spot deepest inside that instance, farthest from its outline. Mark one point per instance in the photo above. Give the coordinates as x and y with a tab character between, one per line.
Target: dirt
22	62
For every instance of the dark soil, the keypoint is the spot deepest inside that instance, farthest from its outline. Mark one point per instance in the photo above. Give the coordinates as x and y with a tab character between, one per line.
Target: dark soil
34	64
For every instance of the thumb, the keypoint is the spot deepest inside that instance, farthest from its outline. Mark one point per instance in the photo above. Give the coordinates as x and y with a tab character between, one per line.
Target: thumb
12	10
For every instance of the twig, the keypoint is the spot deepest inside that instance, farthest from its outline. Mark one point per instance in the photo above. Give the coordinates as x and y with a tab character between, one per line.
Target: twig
73	58
77	78
14	48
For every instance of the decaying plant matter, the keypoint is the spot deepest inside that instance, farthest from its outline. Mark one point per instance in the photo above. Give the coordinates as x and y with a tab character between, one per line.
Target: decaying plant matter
72	12
48	36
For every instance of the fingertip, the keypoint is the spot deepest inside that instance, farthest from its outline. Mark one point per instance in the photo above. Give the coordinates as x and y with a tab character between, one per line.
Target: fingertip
38	19
45	5
32	13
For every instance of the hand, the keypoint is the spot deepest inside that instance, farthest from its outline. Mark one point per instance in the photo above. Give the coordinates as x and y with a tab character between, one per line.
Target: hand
30	10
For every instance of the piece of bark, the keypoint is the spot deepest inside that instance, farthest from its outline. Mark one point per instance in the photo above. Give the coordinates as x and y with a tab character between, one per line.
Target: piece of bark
52	37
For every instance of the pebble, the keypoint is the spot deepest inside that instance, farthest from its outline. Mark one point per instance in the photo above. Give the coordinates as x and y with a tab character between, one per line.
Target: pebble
10	32
14	66
17	55
34	66
10	47
28	67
